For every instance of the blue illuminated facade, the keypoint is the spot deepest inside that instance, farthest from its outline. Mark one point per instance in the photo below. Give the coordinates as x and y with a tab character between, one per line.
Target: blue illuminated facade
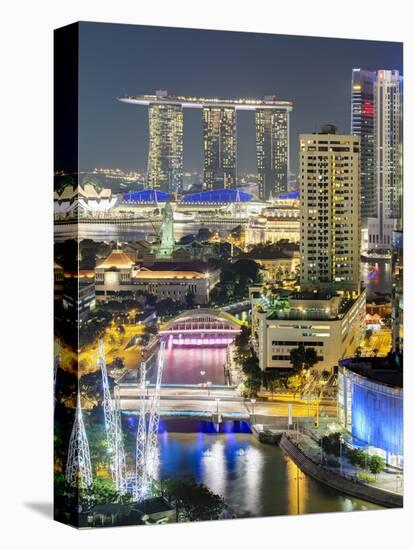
147	196
218	196
292	195
372	412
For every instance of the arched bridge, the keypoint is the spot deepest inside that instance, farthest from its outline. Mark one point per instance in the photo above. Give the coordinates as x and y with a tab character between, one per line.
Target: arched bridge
202	327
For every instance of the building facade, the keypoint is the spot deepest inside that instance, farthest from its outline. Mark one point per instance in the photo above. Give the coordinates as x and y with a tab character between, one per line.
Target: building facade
327	323
118	276
166	148
330	230
362	125
272	137
220	147
388	136
377	118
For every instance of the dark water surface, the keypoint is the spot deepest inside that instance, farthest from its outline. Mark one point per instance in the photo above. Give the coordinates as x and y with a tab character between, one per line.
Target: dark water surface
253	478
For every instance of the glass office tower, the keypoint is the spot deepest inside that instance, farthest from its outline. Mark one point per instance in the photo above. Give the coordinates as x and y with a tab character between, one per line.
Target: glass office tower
362	124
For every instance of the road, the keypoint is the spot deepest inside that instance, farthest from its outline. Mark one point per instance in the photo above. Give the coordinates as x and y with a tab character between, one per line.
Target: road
198	400
380	340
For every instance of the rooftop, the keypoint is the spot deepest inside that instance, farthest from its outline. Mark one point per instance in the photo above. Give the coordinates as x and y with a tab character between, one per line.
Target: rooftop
117	259
218	196
384	370
162	97
146	196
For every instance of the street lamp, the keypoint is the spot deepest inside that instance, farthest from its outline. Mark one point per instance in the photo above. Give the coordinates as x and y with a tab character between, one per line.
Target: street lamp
217	400
341	455
147	382
202	373
253	401
208	385
297	479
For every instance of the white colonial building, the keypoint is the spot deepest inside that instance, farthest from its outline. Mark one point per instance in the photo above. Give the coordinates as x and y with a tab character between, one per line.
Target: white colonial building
330	324
118	276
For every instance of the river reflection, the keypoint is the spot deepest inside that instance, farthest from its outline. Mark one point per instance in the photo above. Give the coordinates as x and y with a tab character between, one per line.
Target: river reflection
377	277
254	479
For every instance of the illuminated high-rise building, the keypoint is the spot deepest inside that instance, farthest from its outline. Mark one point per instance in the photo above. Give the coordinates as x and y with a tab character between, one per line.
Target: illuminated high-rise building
219	118
165	159
388	141
220	147
377	116
362	124
272	138
330	211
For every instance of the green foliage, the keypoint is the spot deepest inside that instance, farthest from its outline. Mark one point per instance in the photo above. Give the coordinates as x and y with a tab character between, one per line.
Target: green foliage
190	300
271	379
331	444
248	360
376	464
235	278
365	477
193	501
357	457
297	357
303	357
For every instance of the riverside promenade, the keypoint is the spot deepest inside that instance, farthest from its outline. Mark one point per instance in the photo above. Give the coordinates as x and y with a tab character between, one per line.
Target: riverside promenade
306	454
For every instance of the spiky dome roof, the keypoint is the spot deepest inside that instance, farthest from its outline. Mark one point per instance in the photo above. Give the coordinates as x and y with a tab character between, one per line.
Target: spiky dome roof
69	181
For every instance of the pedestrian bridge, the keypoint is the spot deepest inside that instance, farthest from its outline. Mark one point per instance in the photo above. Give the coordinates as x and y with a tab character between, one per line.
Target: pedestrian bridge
201	327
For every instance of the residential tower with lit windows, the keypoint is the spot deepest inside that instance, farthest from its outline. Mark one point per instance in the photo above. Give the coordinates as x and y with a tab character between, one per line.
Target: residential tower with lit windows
330	211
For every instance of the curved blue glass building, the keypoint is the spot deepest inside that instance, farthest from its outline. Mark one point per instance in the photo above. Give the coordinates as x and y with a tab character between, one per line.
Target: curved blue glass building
370	402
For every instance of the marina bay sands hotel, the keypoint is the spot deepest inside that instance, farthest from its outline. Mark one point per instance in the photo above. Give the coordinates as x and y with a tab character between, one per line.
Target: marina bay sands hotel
219	117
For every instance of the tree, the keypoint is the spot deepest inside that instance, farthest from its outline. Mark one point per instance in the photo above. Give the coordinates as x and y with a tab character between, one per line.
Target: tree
357	457
376	465
310	358
193	501
297	357
331	443
190	300
295	383
252	372
271	380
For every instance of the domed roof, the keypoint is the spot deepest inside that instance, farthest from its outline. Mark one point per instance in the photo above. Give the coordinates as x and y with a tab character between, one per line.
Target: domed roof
218	196
289	195
146	196
93	181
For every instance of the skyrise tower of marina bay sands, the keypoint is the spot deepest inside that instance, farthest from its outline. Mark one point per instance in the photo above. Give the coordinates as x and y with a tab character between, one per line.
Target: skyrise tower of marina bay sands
219	119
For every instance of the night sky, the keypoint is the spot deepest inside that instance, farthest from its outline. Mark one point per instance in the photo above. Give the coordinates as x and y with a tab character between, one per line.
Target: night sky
314	73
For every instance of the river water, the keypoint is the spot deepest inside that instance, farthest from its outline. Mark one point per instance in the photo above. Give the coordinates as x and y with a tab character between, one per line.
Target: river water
254	479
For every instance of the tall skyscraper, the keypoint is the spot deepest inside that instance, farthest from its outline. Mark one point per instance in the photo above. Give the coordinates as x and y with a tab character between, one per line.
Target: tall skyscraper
388	137
220	147
165	159
377	117
362	124
272	137
330	211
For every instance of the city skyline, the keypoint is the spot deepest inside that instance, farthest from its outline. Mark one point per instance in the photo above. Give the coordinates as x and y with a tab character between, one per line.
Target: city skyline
215	64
